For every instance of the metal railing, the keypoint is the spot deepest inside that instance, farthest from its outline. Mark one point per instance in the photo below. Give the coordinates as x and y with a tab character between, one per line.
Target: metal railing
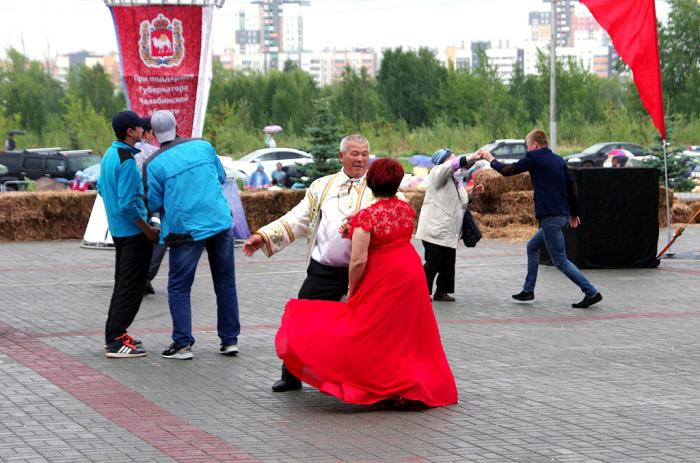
21	185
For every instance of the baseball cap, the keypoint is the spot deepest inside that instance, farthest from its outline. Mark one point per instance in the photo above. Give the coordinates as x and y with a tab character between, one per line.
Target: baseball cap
440	156
125	120
164	125
146	123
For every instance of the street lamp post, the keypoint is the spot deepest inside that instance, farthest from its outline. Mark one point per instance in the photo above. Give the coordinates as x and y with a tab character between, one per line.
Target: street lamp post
553	79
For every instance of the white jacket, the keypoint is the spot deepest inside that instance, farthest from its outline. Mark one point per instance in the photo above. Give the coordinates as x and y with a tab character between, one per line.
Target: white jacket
440	220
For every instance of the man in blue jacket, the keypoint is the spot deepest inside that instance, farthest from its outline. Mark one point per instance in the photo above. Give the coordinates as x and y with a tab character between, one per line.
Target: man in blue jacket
122	191
555	209
184	180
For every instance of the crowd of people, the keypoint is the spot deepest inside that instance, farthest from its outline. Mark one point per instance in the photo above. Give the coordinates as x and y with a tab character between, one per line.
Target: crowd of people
362	327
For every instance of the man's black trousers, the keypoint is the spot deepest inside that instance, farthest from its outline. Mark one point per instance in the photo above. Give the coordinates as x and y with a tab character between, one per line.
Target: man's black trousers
133	257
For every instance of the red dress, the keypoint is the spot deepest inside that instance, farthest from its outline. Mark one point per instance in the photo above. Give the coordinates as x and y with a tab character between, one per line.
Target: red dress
384	342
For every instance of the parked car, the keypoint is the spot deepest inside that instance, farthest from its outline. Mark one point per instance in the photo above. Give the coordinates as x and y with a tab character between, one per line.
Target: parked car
269	157
45	162
595	155
506	150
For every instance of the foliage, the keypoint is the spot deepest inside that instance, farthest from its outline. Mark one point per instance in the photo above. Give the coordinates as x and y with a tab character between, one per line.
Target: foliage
92	85
325	135
356	98
410	83
676	163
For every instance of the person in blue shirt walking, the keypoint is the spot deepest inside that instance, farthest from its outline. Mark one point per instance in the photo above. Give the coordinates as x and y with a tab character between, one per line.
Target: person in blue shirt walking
555	210
122	191
185	185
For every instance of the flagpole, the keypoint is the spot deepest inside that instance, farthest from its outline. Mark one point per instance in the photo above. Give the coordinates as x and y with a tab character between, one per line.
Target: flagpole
669	253
553	79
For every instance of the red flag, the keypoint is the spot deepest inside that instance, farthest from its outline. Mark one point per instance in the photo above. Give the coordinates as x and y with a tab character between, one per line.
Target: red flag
631	25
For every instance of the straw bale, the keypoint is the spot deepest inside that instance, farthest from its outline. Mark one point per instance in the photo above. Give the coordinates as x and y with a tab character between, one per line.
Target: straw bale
662	205
495	184
263	207
694	206
510	233
44	215
681	213
516	202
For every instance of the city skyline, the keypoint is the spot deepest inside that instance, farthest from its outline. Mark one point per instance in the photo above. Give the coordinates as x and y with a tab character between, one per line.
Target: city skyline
38	27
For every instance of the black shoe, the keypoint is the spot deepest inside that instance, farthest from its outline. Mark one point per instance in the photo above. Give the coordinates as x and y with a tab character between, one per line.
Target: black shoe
588	301
149	288
288	382
443	297
524	296
123	347
176	351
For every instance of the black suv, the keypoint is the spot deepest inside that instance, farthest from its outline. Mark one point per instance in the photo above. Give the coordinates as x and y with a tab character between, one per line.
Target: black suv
44	162
507	151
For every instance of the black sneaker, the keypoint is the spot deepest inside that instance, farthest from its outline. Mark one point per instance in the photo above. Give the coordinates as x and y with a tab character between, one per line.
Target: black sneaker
229	350
124	347
136	342
588	301
524	296
176	351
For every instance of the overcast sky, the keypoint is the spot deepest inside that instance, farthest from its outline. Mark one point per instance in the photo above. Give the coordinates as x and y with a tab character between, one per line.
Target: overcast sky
50	27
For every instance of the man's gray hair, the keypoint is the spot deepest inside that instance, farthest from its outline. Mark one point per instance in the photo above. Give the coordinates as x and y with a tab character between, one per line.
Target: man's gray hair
354	138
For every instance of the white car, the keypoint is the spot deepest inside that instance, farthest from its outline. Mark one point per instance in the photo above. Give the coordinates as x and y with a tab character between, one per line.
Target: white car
269	157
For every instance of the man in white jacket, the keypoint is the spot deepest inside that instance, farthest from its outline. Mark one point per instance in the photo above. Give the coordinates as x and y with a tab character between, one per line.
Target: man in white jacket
440	221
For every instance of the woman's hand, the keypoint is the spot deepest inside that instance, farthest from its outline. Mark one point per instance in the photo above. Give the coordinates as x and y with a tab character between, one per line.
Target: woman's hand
476	191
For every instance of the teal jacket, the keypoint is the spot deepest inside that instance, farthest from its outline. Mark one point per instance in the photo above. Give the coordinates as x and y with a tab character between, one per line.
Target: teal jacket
184	182
122	190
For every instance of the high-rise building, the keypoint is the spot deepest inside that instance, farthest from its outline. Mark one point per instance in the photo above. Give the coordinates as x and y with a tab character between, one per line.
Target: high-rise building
272	30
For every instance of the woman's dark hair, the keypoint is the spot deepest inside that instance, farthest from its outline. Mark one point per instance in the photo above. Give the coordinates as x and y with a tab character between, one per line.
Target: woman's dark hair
384	177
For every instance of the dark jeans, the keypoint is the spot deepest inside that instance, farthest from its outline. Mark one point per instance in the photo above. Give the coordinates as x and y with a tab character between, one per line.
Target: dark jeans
183	264
551	234
156	260
440	261
133	254
324	282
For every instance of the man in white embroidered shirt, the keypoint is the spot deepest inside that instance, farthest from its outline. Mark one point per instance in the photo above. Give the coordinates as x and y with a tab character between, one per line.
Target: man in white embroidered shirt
318	217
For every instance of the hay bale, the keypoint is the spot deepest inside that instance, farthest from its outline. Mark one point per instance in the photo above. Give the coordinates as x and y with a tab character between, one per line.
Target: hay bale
495	184
510	233
263	207
44	215
516	202
662	205
681	213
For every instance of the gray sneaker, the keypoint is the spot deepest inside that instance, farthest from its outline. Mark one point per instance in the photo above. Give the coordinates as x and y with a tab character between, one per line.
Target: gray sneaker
229	350
176	351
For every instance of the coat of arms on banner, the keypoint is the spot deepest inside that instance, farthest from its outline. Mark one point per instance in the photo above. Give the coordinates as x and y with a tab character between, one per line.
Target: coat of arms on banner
161	43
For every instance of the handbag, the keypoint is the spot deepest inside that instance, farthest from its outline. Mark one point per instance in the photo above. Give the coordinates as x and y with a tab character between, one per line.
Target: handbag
470	230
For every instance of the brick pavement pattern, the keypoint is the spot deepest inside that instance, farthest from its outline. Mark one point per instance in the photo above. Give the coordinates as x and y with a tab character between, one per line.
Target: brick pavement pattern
538	382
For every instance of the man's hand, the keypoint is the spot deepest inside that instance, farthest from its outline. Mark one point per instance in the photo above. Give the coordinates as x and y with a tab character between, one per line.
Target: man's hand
152	233
574	221
473	157
485	155
254	243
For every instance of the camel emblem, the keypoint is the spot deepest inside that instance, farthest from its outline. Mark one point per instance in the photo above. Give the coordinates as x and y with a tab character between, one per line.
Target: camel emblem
161	42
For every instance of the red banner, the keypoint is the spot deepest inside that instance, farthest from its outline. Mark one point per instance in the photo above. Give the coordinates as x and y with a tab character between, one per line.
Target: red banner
164	55
631	25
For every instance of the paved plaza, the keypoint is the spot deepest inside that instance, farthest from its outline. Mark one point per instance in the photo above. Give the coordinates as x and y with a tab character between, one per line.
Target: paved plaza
538	382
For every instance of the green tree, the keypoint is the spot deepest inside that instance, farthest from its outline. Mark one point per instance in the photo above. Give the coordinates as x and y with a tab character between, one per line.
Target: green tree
92	86
325	135
411	84
355	97
27	90
680	58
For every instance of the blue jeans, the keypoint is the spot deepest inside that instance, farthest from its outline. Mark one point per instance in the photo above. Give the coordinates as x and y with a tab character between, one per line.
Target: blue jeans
183	264
551	234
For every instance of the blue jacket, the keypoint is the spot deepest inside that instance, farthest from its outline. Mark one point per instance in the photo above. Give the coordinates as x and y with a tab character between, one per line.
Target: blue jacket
122	190
185	185
555	191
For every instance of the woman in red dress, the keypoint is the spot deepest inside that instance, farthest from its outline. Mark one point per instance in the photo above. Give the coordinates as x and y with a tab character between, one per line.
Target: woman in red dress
383	343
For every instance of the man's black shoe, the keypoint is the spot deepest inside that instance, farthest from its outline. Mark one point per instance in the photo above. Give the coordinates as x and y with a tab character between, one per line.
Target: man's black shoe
524	296
288	382
588	301
148	289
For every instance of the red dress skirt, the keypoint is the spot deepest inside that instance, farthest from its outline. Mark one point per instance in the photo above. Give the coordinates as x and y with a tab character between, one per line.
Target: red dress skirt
384	342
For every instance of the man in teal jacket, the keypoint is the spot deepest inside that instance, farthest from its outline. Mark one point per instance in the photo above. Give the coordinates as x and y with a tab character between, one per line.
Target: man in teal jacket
122	191
184	180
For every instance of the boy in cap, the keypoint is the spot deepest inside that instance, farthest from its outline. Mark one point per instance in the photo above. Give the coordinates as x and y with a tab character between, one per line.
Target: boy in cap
122	191
184	180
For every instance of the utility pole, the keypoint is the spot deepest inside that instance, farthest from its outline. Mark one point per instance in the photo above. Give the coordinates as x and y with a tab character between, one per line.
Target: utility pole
553	79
